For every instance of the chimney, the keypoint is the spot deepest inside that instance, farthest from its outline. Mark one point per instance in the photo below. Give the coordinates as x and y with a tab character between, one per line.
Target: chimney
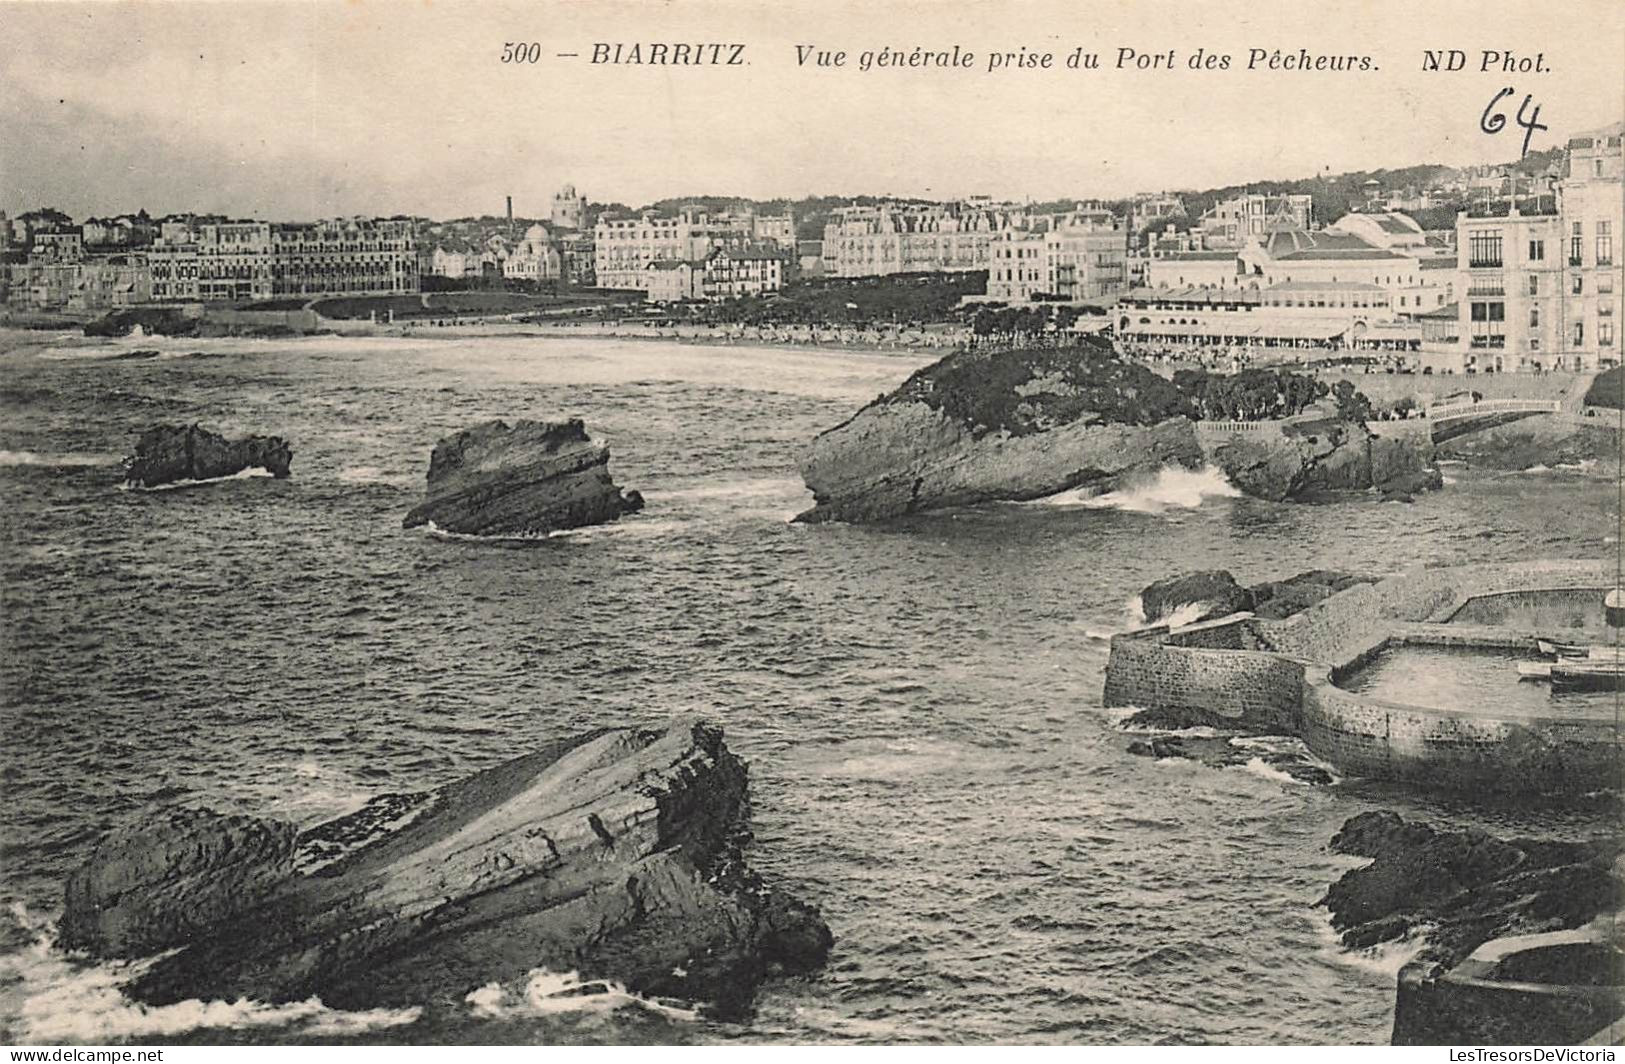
510	216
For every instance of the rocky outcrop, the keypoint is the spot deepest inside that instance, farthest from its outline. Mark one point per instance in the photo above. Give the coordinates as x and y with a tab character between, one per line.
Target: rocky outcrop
982	426
1286	758
525	479
1208	594
1464	887
1518	944
1314	457
170	454
617	855
1590	445
1211	593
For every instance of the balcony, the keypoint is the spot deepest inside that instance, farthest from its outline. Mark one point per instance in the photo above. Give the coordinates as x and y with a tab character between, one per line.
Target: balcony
1575	260
1485	264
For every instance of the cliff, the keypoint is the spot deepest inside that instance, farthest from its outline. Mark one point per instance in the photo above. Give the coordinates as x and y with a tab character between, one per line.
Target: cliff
616	854
167	454
978	426
525	479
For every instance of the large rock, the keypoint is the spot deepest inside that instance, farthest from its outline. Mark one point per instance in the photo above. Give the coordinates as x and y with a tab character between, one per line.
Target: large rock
1206	594
1464	887
525	479
1008	425
617	855
1520	942
1317	456
169	454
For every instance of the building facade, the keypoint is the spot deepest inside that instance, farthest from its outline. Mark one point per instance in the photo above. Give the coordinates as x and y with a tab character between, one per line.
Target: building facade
1539	283
908	238
569	209
730	273
1233	222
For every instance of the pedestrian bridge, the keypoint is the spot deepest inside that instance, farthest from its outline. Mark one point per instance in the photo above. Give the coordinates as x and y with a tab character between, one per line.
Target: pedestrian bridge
1458	418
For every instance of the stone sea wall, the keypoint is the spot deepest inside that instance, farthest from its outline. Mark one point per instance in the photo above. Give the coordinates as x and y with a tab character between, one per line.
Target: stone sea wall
1277	675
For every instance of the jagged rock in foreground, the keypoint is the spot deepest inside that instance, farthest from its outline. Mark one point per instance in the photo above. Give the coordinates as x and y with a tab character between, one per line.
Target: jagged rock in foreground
525	479
168	454
1007	425
1520	934
616	855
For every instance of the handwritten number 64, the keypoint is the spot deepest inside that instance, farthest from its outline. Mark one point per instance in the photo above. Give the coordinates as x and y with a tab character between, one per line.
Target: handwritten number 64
1493	120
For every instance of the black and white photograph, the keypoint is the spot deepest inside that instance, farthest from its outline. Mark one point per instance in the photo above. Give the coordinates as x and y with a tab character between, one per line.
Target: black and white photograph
737	523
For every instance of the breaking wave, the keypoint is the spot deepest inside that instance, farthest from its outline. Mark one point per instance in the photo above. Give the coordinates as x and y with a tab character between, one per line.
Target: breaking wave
60	999
58	461
245	474
1384	960
1173	488
551	993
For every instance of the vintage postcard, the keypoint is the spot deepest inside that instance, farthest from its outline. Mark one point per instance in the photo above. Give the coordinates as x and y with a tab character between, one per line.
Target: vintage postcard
733	522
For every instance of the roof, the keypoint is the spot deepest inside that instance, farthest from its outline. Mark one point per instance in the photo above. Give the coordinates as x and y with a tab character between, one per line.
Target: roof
1324	286
1450	311
671	264
1192	294
1438	262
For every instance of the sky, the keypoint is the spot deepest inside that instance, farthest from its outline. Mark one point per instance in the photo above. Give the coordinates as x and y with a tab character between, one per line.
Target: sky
299	109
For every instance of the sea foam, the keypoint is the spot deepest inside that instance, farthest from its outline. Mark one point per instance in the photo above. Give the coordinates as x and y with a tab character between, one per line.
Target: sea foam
62	999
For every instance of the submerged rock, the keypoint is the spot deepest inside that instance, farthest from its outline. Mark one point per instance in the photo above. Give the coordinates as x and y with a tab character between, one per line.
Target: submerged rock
982	426
169	454
617	855
1276	754
525	479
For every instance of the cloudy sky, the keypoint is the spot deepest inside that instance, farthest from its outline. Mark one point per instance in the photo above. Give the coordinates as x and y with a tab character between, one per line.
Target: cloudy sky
312	108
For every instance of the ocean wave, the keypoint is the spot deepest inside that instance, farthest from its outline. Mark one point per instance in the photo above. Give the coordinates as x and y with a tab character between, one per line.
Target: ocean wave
63	999
1384	960
548	993
58	461
244	474
1173	488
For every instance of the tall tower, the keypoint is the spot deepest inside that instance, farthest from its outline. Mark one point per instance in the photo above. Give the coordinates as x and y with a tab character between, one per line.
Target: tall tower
510	216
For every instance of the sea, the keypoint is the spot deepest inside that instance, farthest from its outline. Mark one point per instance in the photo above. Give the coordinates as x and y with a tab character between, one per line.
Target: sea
919	702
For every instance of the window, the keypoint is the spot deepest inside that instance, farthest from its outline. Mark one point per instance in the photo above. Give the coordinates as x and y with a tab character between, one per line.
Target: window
1534	317
1537	250
1534	284
1605	283
1578	287
1579	334
1605	334
1576	246
1484	248
1605	245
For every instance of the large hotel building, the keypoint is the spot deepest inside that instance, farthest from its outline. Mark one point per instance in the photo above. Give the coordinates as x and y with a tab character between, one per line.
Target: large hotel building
238	261
1539	283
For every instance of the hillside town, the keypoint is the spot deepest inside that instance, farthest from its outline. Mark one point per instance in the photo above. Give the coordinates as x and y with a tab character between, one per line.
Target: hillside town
1478	270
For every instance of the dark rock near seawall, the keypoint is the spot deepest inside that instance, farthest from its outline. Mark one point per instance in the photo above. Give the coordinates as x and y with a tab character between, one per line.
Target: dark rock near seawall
1320	458
1521	942
981	426
525	479
1218	594
1215	590
1464	886
618	855
169	454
